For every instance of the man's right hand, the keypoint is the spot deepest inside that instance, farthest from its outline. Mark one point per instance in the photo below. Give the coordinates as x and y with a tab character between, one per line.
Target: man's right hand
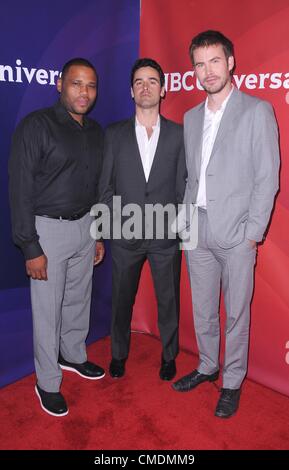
37	268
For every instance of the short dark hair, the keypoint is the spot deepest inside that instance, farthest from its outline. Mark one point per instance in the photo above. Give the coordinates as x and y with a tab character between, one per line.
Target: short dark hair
147	62
212	38
76	61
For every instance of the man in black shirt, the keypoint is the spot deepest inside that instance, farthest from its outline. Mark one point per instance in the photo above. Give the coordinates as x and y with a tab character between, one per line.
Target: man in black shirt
54	169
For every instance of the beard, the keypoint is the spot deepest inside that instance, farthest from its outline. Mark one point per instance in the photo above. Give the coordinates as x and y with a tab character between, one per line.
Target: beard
216	87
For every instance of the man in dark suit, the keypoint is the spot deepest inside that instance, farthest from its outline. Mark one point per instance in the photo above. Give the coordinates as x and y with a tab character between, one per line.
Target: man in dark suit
144	164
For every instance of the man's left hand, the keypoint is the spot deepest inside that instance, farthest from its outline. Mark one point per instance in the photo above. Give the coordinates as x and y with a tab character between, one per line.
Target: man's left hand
99	253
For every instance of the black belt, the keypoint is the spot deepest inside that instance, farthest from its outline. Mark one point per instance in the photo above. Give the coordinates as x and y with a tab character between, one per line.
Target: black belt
77	216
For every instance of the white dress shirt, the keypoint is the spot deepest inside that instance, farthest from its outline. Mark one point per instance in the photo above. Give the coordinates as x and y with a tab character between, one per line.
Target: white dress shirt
147	146
211	126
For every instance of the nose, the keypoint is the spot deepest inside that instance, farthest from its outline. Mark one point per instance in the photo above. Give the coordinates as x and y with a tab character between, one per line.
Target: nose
84	89
208	69
145	85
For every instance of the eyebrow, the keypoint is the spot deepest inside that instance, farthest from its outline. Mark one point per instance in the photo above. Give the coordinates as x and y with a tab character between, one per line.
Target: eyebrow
213	58
81	80
149	78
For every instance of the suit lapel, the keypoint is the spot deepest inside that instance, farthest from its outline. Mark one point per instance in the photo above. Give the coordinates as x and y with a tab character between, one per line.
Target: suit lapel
160	153
137	162
196	140
228	120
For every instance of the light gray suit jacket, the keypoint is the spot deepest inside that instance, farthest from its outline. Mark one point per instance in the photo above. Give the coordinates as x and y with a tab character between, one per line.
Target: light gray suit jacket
243	172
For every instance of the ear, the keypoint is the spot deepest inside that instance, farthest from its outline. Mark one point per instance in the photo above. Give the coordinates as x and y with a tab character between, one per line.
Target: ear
231	62
59	85
132	93
163	92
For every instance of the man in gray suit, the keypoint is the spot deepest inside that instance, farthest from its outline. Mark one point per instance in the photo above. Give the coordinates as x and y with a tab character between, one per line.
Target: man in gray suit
232	153
144	164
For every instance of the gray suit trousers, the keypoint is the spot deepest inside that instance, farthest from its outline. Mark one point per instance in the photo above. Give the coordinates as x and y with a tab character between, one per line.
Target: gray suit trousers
61	305
210	265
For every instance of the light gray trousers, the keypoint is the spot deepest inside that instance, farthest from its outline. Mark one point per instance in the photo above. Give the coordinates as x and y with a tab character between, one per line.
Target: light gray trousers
209	266
61	305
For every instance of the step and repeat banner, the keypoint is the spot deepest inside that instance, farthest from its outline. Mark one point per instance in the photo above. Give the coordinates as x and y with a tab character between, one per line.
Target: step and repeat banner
37	38
259	31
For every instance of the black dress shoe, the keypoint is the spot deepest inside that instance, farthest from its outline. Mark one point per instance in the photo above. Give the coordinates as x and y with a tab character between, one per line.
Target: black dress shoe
52	403
228	403
117	368
87	369
168	370
192	380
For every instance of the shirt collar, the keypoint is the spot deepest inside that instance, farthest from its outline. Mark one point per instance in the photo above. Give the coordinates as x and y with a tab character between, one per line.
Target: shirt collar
64	116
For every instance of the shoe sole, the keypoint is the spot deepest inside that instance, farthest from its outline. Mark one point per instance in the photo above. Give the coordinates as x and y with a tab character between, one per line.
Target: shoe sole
116	376
70	369
167	379
46	410
226	416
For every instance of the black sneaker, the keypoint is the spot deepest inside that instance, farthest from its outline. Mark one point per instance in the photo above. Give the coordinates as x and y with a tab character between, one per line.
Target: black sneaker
52	403
87	369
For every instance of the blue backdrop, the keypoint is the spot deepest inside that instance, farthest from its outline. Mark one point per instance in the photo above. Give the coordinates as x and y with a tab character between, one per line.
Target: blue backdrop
36	40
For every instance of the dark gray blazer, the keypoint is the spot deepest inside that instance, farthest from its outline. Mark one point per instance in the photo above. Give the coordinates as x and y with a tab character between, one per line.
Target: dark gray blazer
123	175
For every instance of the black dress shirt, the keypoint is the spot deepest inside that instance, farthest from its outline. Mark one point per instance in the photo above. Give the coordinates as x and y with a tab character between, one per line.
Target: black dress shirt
54	169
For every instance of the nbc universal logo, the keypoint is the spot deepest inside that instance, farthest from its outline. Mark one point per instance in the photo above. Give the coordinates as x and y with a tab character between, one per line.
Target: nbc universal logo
21	73
176	81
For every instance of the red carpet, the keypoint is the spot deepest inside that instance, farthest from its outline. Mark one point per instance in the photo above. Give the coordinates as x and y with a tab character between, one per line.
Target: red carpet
140	411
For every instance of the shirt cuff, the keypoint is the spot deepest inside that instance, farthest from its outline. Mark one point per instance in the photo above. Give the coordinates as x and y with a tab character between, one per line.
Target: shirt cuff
31	250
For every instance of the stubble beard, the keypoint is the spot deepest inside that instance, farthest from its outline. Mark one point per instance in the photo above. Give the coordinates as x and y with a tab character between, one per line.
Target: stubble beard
216	88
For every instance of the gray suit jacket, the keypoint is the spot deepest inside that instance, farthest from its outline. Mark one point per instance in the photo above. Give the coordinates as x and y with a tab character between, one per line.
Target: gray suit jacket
122	173
243	172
